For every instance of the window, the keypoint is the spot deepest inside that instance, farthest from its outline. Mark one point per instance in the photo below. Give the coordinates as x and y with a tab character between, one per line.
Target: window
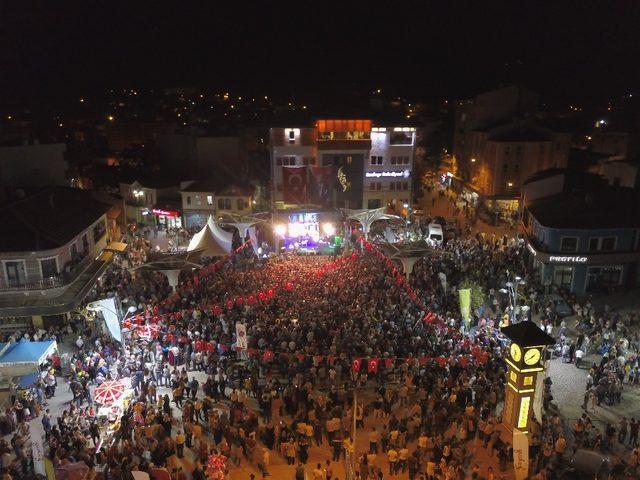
374	203
393	161
405	185
569	244
49	267
563	276
198	201
98	231
241	204
279	161
85	242
288	161
292	135
593	244
528	380
16	274
602	279
405	160
401	138
224	203
188	199
518	149
209	199
376	160
392	186
74	251
608	244
507	150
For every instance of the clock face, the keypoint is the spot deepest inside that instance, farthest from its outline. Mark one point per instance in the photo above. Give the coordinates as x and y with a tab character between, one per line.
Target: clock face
516	353
531	357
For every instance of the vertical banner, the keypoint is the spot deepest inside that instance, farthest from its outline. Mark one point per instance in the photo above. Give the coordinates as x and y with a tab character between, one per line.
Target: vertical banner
37	446
241	336
443	280
465	304
520	454
537	396
294	185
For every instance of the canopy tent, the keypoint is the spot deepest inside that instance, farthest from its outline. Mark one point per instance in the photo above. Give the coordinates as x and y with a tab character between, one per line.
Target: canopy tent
212	240
407	253
241	222
25	352
222	236
367	217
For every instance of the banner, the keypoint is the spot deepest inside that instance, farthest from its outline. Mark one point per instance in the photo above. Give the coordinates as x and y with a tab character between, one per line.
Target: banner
443	281
465	304
109	309
37	446
520	454
537	396
241	336
321	185
294	185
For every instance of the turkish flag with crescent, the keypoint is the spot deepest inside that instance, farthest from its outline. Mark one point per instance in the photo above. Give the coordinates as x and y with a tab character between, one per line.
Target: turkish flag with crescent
355	365
294	184
372	366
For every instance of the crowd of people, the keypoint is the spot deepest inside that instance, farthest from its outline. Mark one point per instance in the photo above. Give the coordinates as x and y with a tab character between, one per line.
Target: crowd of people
329	341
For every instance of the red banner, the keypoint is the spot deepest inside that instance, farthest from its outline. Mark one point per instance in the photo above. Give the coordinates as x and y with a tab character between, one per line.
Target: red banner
355	365
294	185
372	366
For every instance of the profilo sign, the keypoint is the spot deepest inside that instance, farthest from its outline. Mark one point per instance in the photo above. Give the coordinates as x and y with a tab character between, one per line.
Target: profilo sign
568	259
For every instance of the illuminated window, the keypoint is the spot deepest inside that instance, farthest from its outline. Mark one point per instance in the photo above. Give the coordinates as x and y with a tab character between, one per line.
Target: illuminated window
513	376
209	199
528	380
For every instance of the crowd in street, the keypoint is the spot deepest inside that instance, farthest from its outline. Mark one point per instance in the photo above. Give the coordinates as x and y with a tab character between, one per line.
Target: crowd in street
319	331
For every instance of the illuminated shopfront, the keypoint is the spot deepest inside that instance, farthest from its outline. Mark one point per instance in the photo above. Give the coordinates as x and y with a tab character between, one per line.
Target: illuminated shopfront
167	218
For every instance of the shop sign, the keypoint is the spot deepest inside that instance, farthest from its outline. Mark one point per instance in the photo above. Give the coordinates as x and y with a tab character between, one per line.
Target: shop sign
404	174
166	213
568	259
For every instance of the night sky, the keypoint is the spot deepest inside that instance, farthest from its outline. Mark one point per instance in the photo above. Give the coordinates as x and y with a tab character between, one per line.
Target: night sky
573	50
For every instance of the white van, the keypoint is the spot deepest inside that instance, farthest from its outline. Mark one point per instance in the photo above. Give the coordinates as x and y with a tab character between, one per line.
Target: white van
434	234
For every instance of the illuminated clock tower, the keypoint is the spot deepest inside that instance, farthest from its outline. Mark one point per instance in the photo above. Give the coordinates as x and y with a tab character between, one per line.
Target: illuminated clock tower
525	363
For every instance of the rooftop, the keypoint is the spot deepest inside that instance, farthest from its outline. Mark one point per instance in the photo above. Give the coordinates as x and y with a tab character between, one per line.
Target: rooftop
527	334
48	219
219	186
610	207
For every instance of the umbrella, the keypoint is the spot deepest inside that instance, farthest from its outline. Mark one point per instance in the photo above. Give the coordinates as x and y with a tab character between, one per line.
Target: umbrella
108	392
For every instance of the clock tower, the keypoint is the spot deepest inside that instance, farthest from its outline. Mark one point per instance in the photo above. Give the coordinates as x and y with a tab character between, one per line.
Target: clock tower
524	364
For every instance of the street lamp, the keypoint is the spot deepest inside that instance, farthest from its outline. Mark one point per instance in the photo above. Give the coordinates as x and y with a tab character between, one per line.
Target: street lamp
511	289
406	220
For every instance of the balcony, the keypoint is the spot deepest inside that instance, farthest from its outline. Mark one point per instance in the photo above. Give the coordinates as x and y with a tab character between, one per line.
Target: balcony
71	272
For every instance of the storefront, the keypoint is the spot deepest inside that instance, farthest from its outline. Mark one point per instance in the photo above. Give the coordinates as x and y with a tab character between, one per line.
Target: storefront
167	218
585	273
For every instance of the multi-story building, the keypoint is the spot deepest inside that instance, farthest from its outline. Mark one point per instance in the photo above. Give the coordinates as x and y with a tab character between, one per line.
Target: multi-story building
579	236
52	251
152	202
205	197
341	163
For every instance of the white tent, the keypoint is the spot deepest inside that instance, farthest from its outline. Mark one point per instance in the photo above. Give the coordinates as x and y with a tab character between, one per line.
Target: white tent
224	238
212	240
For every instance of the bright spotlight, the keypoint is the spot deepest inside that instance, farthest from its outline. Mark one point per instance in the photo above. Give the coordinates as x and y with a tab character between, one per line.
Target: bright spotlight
329	229
281	230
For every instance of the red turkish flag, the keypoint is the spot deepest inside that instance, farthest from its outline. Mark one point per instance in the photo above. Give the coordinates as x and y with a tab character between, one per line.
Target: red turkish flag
464	360
294	184
372	365
388	363
300	357
331	359
355	365
199	345
267	356
441	361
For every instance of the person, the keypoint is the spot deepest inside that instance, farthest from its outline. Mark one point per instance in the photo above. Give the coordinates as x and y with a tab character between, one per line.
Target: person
180	440
579	355
318	472
299	473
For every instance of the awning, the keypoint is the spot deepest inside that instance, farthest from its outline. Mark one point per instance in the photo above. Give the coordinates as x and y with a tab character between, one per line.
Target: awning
25	352
117	246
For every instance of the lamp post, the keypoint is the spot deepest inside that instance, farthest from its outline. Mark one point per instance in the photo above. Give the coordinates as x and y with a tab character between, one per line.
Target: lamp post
511	289
406	220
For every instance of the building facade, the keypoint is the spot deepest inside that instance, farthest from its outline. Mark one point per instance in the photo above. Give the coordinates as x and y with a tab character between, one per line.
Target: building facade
203	198
52	253
342	163
152	203
585	242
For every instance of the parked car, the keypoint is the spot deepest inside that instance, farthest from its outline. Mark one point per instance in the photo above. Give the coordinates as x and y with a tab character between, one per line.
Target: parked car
587	464
560	305
435	234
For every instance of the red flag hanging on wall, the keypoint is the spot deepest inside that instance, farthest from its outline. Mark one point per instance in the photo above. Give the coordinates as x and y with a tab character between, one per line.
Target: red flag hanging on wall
294	184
